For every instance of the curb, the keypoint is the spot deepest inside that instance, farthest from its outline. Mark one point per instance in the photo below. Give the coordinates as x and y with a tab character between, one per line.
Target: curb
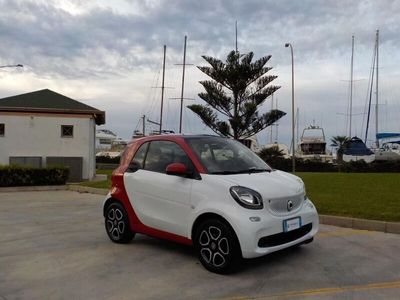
39	188
86	189
43	188
363	224
354	223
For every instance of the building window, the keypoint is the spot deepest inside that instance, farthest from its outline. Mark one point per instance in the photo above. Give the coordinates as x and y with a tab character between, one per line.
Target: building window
1	129
67	131
105	141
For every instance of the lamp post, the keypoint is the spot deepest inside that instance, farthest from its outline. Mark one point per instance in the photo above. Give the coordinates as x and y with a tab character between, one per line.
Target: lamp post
293	125
12	66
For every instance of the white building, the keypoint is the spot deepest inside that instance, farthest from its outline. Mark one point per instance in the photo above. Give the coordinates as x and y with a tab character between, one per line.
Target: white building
45	128
104	139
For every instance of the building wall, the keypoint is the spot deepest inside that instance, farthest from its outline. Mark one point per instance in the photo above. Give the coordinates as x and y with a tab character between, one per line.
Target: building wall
28	134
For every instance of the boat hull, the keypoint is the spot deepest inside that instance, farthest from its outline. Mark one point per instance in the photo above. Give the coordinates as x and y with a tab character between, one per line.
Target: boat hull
366	158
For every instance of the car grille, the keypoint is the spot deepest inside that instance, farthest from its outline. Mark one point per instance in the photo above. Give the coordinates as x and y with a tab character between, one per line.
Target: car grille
279	206
284	237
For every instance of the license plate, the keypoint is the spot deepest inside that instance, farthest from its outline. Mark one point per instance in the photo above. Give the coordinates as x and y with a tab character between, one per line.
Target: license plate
291	224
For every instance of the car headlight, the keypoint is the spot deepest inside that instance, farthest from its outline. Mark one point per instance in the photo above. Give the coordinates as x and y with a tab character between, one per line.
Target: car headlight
303	188
246	197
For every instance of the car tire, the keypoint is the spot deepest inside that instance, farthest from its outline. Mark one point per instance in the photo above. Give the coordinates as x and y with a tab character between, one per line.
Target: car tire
117	225
217	246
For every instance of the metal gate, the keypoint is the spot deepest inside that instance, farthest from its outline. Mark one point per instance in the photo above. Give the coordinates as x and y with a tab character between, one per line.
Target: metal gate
31	161
73	163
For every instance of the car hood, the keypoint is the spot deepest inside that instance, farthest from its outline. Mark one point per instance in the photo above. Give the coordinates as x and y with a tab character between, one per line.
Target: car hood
273	184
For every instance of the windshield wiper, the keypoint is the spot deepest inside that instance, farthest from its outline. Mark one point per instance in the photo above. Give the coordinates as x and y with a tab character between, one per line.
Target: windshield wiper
253	170
224	172
249	171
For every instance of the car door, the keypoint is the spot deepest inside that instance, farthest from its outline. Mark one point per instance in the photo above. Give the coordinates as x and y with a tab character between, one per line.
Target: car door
160	201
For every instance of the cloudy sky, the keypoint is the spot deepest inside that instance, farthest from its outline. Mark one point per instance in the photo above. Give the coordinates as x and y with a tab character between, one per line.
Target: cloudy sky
108	54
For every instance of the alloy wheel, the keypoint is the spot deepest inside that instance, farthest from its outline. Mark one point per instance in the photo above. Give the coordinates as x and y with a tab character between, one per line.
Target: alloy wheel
214	246
115	224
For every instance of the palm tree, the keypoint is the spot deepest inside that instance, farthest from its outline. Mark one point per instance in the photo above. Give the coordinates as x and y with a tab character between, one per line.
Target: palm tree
271	154
340	143
237	89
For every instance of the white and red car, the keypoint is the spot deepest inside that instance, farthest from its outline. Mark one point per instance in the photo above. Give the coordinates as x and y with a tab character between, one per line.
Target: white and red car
209	192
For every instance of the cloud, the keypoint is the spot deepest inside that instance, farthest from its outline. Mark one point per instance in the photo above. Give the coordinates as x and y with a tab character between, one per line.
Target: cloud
110	52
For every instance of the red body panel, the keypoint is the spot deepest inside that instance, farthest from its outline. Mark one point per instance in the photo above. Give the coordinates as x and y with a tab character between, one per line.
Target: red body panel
118	190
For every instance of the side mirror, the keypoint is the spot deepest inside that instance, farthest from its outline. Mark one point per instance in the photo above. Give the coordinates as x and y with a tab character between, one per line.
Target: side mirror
176	169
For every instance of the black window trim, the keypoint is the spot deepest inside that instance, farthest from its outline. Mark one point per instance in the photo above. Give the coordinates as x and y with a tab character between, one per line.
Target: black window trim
4	129
67	136
145	153
195	175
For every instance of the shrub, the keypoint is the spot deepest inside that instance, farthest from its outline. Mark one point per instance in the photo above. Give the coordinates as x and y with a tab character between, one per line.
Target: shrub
107	160
374	167
285	164
15	175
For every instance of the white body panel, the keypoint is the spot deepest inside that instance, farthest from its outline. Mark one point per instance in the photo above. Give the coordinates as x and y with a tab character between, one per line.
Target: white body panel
160	201
172	204
216	198
30	134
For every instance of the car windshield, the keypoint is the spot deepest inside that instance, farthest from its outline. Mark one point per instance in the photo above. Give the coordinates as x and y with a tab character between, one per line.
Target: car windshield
226	156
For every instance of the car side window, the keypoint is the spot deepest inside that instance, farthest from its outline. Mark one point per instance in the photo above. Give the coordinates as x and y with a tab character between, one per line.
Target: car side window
163	153
138	160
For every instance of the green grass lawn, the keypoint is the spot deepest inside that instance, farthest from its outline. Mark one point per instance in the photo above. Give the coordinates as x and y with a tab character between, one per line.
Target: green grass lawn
105	184
360	195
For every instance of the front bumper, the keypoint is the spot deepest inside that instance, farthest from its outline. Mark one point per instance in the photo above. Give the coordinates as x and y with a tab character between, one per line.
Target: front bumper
250	232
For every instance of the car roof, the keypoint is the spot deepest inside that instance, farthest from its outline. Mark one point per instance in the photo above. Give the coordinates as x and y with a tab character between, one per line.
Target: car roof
172	137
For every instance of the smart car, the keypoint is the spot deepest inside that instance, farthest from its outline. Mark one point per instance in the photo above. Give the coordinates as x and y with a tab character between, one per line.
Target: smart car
210	192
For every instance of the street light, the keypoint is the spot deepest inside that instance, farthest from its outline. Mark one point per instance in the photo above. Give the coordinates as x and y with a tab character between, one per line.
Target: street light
293	126
12	66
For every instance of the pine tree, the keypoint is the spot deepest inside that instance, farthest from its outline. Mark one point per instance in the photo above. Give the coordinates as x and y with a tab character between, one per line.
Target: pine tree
236	91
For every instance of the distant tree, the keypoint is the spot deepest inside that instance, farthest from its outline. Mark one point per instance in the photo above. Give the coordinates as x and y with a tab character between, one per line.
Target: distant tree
237	89
339	142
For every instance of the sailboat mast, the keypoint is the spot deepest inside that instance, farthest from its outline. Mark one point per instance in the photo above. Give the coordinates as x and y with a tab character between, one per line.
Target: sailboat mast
144	125
370	88
351	85
183	84
376	87
162	89
271	127
236	46
297	129
276	123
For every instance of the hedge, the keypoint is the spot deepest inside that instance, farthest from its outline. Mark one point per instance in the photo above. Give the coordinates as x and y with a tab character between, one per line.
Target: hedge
105	159
27	176
348	167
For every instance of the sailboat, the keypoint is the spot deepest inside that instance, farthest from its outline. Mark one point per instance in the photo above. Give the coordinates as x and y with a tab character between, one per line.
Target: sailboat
356	149
390	149
160	130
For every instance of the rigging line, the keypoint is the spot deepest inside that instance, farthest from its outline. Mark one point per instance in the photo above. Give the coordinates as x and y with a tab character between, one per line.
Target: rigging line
152	98
150	91
167	115
153	101
348	109
137	125
370	97
367	96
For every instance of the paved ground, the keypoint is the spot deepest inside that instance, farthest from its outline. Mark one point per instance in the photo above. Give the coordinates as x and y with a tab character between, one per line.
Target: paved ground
53	246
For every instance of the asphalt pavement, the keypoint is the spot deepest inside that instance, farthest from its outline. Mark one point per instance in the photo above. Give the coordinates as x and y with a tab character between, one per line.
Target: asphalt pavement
53	246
